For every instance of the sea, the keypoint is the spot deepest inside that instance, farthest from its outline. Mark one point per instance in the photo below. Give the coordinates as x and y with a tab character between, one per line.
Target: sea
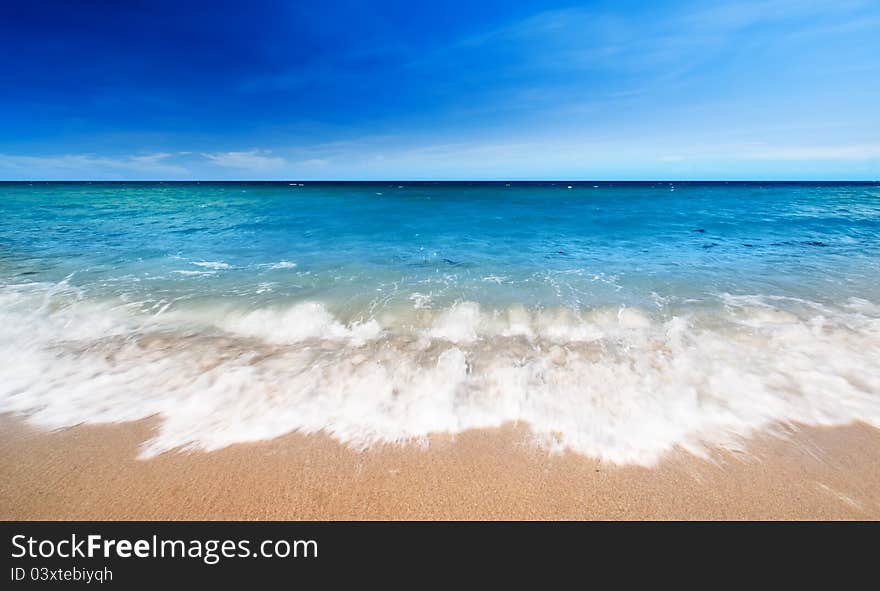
619	320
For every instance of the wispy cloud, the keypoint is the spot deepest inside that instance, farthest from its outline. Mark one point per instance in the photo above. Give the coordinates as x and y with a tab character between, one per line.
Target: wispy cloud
75	166
652	50
247	160
633	156
854	152
762	152
746	13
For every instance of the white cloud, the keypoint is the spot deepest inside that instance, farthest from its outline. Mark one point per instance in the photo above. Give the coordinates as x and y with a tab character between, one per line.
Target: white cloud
251	159
597	157
79	166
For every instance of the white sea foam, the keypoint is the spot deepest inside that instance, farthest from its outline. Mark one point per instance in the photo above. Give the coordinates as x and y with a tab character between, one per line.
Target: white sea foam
215	265
192	273
458	324
614	383
308	320
282	265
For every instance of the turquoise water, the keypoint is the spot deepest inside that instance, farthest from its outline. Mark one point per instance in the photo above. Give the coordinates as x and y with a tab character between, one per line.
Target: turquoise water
361	245
603	314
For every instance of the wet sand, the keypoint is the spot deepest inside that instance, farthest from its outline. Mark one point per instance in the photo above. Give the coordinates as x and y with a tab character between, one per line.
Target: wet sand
93	473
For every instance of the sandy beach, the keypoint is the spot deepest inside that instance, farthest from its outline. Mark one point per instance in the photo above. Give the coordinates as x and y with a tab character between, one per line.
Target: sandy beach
93	473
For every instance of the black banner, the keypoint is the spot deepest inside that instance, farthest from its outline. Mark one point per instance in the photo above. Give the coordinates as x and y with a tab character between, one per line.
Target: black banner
125	554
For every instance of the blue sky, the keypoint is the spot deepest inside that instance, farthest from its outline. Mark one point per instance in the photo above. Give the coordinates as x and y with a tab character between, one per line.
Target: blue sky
446	90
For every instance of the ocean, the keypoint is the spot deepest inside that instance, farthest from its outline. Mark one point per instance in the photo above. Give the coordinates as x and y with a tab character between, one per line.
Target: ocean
616	320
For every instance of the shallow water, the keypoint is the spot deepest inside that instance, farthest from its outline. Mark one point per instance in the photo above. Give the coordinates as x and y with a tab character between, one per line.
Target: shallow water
617	320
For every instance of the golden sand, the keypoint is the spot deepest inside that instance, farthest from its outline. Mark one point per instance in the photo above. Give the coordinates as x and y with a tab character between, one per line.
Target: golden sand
93	473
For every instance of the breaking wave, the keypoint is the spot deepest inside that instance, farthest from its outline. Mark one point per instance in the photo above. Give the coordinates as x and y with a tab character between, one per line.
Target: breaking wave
621	384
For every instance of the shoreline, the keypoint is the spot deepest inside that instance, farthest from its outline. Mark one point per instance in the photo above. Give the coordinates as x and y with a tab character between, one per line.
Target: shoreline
92	473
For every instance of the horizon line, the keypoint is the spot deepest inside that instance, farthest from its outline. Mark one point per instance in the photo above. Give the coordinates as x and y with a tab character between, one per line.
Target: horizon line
437	181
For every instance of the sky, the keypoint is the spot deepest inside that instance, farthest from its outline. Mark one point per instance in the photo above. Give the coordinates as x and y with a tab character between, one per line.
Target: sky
306	90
